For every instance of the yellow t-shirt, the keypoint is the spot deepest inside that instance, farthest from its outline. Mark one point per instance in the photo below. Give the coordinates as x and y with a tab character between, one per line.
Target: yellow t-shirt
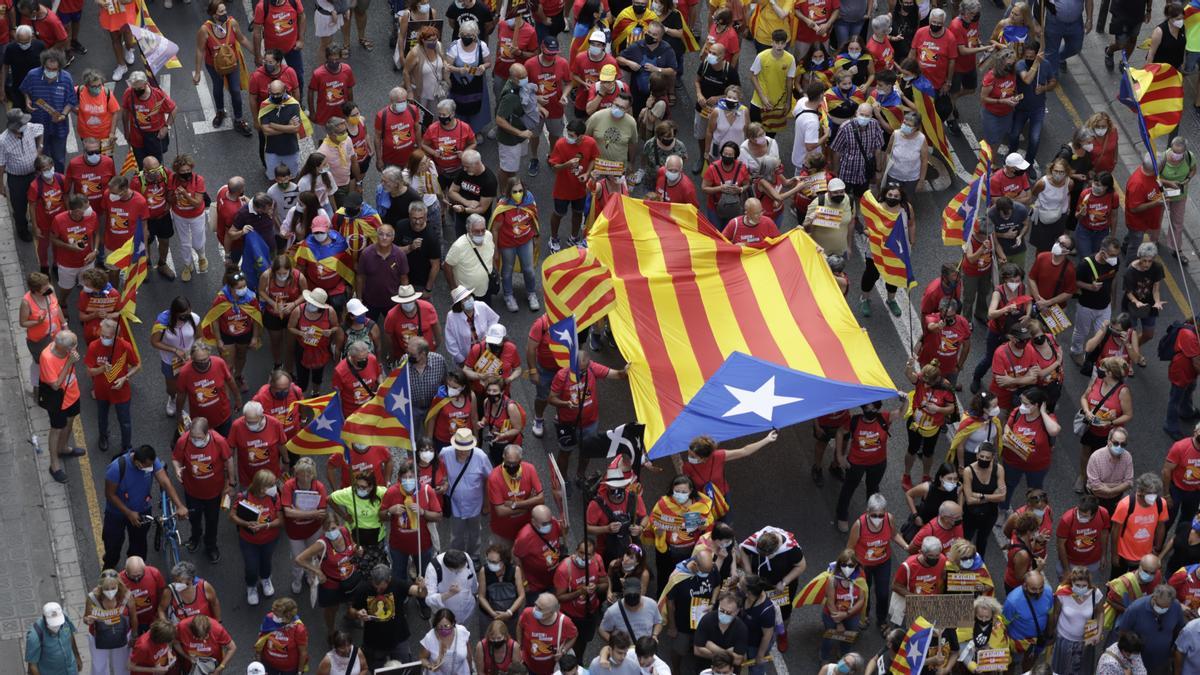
773	74
768	20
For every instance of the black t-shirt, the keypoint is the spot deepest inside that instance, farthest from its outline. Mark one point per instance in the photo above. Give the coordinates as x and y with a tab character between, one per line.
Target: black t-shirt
780	564
1090	271
420	261
1006	225
695	591
713	81
1141	284
385	626
758	618
457	15
477	187
21	61
398	209
282	144
709	630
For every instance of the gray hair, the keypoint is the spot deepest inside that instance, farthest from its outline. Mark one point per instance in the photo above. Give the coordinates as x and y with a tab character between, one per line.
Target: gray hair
877	503
475	219
767	165
333	122
381	574
422	346
468	26
470	156
415	208
252	409
447	105
937	13
1180	141
931	545
66	339
199	347
1148	483
136	77
108	324
989	602
200	425
969	7
1165	592
358	347
1147	161
1147	249
183	569
515	449
881	24
27	32
392	173
92	76
305	465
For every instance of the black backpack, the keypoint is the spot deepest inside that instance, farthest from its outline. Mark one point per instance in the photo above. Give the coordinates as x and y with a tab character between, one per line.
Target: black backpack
1166	343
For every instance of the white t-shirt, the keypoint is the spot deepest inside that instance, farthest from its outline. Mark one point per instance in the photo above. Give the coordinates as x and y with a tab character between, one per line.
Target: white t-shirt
455	661
808	130
178	337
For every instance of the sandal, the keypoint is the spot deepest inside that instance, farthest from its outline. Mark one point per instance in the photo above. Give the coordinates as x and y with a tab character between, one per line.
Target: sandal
366	43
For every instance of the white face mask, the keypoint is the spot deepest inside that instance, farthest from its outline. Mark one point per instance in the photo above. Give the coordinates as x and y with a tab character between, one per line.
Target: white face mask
1100	131
321	237
110	593
200	442
408	306
1024	408
362	492
453	391
681	497
426	456
257	426
1013	285
1087	147
179	586
1177	23
595	52
271	491
477	239
847	570
1057	249
1151	498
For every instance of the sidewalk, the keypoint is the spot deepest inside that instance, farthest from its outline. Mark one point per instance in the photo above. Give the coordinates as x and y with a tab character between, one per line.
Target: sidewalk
38	555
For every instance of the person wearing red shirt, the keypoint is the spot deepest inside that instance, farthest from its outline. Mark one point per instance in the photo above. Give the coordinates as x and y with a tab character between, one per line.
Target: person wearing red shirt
1082	536
48	26
1185	364
1027	443
1186	582
277	397
618	504
922	573
998	100
861	450
1144	206
259	90
550	73
946	285
946	527
282	643
279	24
513	490
200	637
578	413
541	367
359	459
936	51
496	356
302	525
706	462
397	129
514	226
516	41
965	28
945	340
1096	214
356	378
817	18
446	141
203	465
752	228
152	652
126	210
411	317
580	582
47	197
185	194
1052	277
1013	368
331	85
111	363
571	159
73	235
672	185
148	114
724	178
399	507
543	639
230	199
151	184
1181	473
976	264
89	174
257	441
1104	143
206	386
1011	181
585	71
146	585
536	549
256	514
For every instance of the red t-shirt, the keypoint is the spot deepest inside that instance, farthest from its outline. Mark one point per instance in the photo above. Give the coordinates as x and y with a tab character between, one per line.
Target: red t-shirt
301	528
50	29
278	407
481	360
817	10
933	295
227	209
568	388
570	577
402	530
1139	524
507	52
257	450
123	216
98	355
539	333
1187	587
710	471
150	113
683	192
1186	458
77	233
146	593
400	326
333	89
584	68
1006	362
538	555
550	81
868	440
90	181
934	55
1052	279
354	394
943	346
176	187
1083	539
1096	209
883	53
874	548
203	468
1140	189
738	231
268	512
571	183
967	36
732	41
1003	186
999	87
206	393
279	23
208	647
540	643
448	145
149	654
153	193
499	491
281	649
920	579
48	200
372	459
514	227
260	81
715	174
1026	443
597	516
399	132
1182	372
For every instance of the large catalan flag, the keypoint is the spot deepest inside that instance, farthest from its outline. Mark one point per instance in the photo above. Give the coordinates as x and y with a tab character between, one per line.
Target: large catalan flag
959	215
910	660
887	233
924	97
334	253
385	419
322	434
575	282
1155	94
686	299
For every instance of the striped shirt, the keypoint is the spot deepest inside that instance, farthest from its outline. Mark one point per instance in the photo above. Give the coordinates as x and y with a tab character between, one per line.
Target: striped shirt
57	94
18	153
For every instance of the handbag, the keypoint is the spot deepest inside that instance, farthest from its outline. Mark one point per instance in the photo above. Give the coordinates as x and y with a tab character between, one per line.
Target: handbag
1079	423
493	275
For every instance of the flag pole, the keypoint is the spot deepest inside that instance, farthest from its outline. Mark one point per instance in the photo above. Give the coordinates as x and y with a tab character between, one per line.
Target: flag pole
412	449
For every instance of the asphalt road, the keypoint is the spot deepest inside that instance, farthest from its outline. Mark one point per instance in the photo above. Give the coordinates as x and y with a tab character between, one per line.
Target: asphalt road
772	488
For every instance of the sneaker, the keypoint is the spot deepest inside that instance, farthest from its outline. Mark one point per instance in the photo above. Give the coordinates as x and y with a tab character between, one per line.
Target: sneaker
267	586
130	57
906	482
185	275
192	545
251	591
572	242
78	48
864	307
170	406
202	265
119	72
534	305
893	306
214	555
165	272
533	168
242	128
554	244
297	585
511	303
539	427
818	476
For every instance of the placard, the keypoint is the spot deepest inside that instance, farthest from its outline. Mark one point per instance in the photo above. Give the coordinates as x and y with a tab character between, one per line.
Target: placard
847	636
779	596
947	610
992	661
961	582
1055	319
827	216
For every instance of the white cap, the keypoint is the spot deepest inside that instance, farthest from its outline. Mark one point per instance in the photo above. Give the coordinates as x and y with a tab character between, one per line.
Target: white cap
256	668
53	614
356	307
836	184
495	334
597	36
1016	161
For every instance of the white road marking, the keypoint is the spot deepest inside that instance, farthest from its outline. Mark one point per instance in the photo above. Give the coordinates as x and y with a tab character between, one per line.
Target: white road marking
208	109
777	658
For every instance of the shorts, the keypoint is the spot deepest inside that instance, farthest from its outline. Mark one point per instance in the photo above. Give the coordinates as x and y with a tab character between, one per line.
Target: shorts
243	339
1124	28
510	156
545	379
167	369
69	17
558	23
968	81
68	277
272	322
160	227
825	434
59	418
1190	61
561	205
554	127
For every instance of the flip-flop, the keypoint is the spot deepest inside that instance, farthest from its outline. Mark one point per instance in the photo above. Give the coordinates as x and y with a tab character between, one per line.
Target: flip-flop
366	44
74	452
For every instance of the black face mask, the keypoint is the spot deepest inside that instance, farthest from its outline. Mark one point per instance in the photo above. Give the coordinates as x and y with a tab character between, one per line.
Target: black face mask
1039	340
445	120
985	464
728	161
650	40
468	40
870	414
360	364
618	495
277	98
836	199
639	9
202	366
632	599
892	201
512	469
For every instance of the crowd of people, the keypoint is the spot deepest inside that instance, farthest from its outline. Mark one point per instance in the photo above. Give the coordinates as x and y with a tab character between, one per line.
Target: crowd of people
1107	584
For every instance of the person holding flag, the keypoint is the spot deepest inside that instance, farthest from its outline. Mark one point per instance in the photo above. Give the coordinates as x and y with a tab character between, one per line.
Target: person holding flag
236	312
325	260
98	300
127	213
409	508
112	362
890	233
573	395
706	466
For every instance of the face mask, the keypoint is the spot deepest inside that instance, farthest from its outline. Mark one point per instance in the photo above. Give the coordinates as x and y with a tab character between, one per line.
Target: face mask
837	199
271	491
681	497
595	52
1174	156
1145	577
178	586
727	104
469	304
949	486
892	201
512	469
468	40
617	113
50	74
110	593
312	309
930	561
854	54
25	45
1080	589
632	599
862	121
445	630
1013	285
580	562
523	81
1116	449
692	459
279	395
727	161
985	464
321	237
842	667
1057	249
1040	513
92	157
518	196
875	520
847	570
711	59
1112	260
1087	147
221	18
544	528
423	8
724	619
400	107
48	174
538	614
453	392
1151	498
1082	518
1159	610
639	9
1100	131
425	456
257	426
1024	408
672	176
907	129
362	492
935	29
200	442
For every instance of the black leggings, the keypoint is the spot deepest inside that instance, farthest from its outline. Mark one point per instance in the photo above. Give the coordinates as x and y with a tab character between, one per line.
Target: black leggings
870	276
305	375
977	528
854	475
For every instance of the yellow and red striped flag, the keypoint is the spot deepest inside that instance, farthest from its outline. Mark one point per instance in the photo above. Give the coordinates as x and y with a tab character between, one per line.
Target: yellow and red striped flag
910	659
686	299
575	282
1158	91
129	165
384	420
887	233
144	20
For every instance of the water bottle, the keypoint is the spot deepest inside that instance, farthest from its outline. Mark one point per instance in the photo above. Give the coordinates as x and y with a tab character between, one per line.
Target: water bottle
37	444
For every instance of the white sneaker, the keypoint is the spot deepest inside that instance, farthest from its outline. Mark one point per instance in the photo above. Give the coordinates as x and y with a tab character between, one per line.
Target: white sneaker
297	585
119	72
251	591
534	305
130	57
268	587
170	406
511	303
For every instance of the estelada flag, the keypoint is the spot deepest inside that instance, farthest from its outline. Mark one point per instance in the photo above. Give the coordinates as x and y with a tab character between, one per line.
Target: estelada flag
686	299
228	301
1157	90
958	218
529	208
910	659
924	97
322	434
359	232
813	592
384	420
887	233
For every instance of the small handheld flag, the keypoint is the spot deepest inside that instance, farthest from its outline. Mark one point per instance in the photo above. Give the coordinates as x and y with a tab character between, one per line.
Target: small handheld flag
564	343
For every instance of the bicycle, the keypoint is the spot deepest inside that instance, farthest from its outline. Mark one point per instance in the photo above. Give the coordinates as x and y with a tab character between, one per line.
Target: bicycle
166	531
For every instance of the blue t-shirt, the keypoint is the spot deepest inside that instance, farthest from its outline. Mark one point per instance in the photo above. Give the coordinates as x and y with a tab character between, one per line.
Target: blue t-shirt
134	489
1030	99
1021	623
1156	630
662	56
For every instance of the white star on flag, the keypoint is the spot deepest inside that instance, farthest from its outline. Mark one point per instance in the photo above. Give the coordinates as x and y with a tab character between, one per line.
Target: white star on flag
399	401
761	402
323	423
563	336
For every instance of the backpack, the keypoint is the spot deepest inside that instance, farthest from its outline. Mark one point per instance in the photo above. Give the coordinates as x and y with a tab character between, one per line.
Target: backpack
225	56
1166	343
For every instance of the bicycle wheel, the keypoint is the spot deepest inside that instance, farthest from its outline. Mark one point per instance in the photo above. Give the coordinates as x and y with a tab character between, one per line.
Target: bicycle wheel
170	531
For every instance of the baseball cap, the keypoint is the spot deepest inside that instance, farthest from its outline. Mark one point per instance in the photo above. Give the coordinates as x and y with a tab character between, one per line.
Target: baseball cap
1016	161
598	36
53	614
550	44
320	224
836	184
356	307
495	334
608	73
256	668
